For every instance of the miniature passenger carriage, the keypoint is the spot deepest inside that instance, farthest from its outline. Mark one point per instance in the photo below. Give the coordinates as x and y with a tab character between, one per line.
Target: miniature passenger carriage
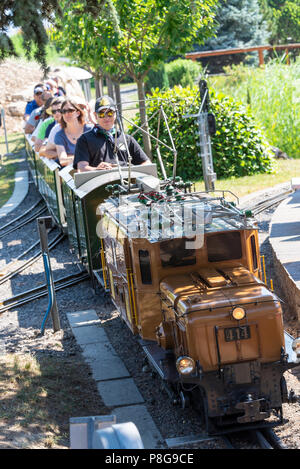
183	269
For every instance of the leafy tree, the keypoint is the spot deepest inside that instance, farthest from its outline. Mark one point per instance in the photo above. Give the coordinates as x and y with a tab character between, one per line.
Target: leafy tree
148	32
283	17
240	24
29	16
152	30
75	30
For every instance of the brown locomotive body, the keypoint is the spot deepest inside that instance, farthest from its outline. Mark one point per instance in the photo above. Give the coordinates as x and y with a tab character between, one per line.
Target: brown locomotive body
207	322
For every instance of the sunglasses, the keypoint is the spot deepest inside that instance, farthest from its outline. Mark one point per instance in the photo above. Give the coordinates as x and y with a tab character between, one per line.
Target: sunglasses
67	111
102	114
54	111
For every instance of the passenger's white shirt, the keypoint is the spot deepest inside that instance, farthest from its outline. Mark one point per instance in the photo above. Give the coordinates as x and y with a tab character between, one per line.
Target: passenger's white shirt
34	133
53	132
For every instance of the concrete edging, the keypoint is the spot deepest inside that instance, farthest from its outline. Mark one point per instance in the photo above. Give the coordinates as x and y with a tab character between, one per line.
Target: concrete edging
284	236
19	193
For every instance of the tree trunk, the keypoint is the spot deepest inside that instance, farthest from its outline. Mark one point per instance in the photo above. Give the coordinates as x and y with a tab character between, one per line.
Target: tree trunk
98	80
110	87
118	97
144	119
100	84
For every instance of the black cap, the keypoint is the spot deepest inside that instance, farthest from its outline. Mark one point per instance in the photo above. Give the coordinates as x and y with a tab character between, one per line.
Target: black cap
105	102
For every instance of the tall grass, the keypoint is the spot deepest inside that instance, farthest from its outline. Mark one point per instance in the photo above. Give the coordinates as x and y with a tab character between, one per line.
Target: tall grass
273	94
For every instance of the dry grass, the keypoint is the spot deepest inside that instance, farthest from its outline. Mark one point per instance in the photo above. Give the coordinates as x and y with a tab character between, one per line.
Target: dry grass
38	396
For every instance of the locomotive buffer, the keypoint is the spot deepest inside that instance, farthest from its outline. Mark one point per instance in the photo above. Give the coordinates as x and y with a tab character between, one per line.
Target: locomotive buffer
206	127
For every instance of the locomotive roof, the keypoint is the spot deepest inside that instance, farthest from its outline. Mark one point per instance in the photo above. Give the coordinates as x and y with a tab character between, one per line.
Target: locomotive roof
157	216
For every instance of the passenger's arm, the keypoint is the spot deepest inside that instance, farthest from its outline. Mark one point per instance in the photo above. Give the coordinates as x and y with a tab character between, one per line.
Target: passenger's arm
64	159
28	128
51	154
83	166
37	144
49	151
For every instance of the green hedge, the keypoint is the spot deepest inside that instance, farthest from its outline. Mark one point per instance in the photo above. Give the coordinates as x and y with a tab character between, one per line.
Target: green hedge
157	78
183	72
238	146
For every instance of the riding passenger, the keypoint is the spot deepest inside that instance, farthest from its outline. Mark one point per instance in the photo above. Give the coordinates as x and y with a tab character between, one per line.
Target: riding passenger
85	107
72	127
46	125
36	114
36	102
45	113
102	145
54	83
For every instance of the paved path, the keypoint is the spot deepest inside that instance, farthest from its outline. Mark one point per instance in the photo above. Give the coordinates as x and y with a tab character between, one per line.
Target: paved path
115	385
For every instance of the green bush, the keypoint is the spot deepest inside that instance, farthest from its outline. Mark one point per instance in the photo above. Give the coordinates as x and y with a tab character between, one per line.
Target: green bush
183	72
238	146
157	79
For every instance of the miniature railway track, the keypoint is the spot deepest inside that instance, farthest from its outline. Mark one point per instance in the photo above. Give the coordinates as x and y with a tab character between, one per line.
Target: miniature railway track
269	202
20	217
38	292
24	222
4	275
264	439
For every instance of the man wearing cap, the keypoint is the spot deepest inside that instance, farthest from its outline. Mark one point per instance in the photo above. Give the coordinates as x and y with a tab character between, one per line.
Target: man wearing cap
102	147
36	102
35	115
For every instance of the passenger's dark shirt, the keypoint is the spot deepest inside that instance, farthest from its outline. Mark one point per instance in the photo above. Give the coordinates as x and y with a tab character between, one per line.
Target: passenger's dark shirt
96	146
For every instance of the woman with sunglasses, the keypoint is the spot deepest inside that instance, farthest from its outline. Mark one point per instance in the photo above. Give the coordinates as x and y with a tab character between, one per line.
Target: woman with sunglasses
72	127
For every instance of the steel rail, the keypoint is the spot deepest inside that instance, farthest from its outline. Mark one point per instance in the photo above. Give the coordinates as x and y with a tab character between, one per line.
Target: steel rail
262	441
266	203
7	267
25	222
39	292
21	216
33	259
273	439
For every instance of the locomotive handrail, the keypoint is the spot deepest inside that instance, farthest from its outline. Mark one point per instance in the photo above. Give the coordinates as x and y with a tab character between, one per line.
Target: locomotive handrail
255	301
218	190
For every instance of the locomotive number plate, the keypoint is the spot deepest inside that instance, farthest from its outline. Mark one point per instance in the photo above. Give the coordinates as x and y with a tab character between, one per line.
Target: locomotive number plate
237	333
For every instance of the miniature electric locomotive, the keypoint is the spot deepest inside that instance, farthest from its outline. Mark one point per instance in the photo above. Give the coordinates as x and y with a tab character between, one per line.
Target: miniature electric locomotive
183	268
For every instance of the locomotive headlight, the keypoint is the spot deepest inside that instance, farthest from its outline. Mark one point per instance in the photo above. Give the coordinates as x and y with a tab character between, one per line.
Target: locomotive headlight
185	365
238	313
296	346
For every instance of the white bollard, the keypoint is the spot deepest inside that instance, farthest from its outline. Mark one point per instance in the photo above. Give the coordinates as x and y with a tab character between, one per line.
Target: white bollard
102	432
118	436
